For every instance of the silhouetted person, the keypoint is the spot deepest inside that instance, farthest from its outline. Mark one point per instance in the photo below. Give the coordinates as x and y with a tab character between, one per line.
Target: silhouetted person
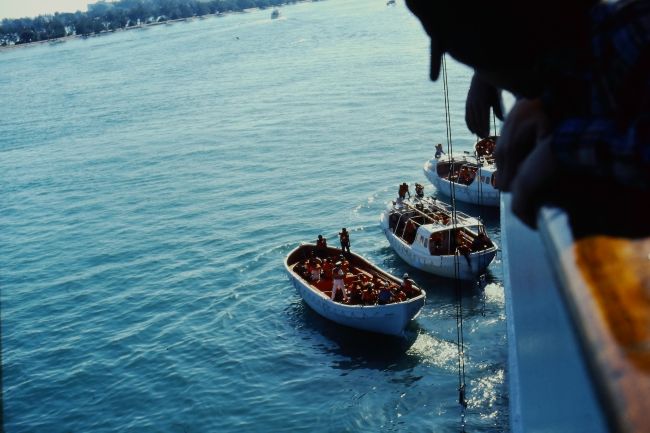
344	237
419	190
439	151
403	190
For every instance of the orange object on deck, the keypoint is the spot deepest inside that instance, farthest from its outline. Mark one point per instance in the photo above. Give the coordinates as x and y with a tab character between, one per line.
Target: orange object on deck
606	282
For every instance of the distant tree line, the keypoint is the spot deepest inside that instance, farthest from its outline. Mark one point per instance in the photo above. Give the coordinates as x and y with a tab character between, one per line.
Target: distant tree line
106	17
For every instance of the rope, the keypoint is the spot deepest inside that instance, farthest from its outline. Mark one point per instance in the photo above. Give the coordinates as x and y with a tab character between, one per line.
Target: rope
450	146
460	342
480	185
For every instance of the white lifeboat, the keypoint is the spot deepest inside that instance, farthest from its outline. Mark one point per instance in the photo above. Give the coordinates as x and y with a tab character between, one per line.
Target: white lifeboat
389	318
471	179
429	236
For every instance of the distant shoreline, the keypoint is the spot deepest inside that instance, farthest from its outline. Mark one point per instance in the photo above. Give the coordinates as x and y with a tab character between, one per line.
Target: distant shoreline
55	41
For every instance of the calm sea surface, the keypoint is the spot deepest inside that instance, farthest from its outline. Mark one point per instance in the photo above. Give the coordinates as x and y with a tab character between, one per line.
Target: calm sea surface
151	183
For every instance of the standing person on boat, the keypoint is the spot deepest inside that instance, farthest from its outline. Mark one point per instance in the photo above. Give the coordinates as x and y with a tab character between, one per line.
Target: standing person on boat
439	151
408	287
344	237
345	264
328	269
403	190
338	285
419	191
409	231
321	242
581	72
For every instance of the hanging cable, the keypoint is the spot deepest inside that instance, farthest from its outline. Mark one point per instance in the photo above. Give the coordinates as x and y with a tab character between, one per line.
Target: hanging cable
479	163
450	146
460	343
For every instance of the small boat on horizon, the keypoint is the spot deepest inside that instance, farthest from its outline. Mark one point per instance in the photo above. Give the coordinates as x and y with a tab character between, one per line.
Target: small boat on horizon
368	314
428	235
469	179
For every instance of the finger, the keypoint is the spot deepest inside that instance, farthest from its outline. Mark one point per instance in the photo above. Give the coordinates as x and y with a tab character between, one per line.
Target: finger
469	117
502	160
509	162
524	203
477	119
528	188
535	182
504	177
483	117
476	115
518	138
436	60
498	106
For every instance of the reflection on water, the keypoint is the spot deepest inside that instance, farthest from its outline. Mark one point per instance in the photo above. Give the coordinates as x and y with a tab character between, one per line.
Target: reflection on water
436	352
355	349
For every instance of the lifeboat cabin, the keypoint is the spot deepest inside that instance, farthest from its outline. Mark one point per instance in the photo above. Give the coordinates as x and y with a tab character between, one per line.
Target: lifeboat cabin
426	235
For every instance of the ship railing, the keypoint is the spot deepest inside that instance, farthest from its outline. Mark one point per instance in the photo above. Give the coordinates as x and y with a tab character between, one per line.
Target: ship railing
604	280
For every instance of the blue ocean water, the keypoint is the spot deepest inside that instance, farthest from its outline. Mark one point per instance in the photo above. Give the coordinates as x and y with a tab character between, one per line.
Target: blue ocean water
151	183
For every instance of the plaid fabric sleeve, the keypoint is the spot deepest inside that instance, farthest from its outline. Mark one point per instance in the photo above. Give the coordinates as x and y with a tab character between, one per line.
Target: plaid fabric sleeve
613	141
599	147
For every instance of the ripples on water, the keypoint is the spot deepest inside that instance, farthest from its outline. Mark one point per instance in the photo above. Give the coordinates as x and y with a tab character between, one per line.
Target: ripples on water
153	181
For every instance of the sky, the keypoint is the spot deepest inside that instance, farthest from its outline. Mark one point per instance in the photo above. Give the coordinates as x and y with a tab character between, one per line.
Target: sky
33	8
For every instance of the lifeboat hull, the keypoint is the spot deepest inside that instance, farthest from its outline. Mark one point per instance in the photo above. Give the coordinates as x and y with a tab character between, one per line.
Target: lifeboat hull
477	193
389	319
